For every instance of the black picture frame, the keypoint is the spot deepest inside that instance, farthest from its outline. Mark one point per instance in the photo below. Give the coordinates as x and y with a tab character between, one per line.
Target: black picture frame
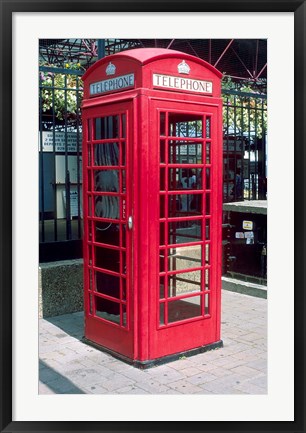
8	8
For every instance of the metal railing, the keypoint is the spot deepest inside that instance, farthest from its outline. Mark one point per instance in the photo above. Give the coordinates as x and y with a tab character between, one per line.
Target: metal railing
244	146
60	159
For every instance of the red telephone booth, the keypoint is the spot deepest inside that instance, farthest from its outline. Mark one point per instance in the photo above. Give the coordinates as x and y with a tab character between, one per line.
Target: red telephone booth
152	155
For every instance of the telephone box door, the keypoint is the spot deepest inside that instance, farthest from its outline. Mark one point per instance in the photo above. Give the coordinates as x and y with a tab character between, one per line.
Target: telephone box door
188	211
107	236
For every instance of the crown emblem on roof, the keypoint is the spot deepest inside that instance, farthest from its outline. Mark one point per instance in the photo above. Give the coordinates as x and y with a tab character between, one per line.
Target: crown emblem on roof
183	68
111	69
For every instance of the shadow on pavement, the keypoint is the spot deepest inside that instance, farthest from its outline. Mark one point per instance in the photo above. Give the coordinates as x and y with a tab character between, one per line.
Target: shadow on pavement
55	381
72	324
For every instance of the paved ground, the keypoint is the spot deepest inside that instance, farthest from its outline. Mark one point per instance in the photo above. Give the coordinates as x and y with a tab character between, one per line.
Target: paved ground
68	366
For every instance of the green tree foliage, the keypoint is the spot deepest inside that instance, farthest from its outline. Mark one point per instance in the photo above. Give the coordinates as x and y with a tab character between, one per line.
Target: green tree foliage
66	98
243	114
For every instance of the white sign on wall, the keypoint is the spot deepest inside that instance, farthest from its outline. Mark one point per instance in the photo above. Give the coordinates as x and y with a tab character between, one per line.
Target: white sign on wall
74	203
249	235
247	225
58	138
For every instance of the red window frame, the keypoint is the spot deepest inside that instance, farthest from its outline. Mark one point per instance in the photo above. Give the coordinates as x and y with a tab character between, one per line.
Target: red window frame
165	194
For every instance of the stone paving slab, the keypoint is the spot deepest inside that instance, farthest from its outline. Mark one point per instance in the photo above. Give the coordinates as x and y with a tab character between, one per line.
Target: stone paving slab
69	366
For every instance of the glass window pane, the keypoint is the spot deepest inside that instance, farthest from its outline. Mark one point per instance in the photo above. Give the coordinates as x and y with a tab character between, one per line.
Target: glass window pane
206	276
184	309
162	206
108	310
123	153
207	229
208	158
123	262
106	154
90	304
123	227
162	123
123	181
107	207
123	289
162	287
124	316
106	127
108	284
185	125
162	266
107	233
184	232
206	303
162	179
174	179
162	234
162	151
89	183
108	259
181	205
90	230
207	254
207	184
90	280
123	125
89	252
89	155
186	282
185	178
184	258
185	152
162	314
207	201
208	127
89	205
106	180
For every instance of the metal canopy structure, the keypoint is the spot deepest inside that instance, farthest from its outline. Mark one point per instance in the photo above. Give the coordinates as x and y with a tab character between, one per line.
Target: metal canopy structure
240	59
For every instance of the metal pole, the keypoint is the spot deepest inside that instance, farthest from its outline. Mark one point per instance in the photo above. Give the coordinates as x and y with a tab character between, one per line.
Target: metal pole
101	48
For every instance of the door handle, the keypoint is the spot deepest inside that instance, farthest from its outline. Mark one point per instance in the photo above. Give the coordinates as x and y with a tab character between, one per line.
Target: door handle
130	223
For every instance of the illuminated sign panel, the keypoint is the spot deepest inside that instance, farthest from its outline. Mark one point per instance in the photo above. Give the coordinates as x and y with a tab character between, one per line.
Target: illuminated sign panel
182	83
112	84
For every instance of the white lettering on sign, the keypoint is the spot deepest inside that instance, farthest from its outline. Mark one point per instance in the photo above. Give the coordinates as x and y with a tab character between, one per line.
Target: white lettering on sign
180	83
112	84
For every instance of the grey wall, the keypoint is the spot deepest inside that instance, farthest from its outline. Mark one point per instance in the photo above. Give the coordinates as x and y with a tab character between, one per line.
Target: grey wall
60	287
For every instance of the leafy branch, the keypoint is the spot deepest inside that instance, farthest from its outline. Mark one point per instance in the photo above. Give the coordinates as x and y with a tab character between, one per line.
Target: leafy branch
243	114
60	92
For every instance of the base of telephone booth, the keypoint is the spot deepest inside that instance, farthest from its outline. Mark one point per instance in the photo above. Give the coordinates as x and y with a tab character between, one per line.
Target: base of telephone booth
158	361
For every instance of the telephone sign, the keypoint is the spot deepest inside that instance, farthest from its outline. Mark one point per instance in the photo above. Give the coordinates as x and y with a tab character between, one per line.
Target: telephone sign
112	84
179	83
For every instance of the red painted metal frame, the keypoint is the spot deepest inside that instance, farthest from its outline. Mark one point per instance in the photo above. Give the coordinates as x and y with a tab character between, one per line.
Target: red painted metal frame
145	338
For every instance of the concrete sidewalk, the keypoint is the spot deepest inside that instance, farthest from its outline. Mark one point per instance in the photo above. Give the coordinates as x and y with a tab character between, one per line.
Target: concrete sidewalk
68	366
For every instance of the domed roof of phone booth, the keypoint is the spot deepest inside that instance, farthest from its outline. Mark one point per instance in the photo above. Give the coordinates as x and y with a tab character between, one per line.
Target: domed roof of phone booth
148	55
